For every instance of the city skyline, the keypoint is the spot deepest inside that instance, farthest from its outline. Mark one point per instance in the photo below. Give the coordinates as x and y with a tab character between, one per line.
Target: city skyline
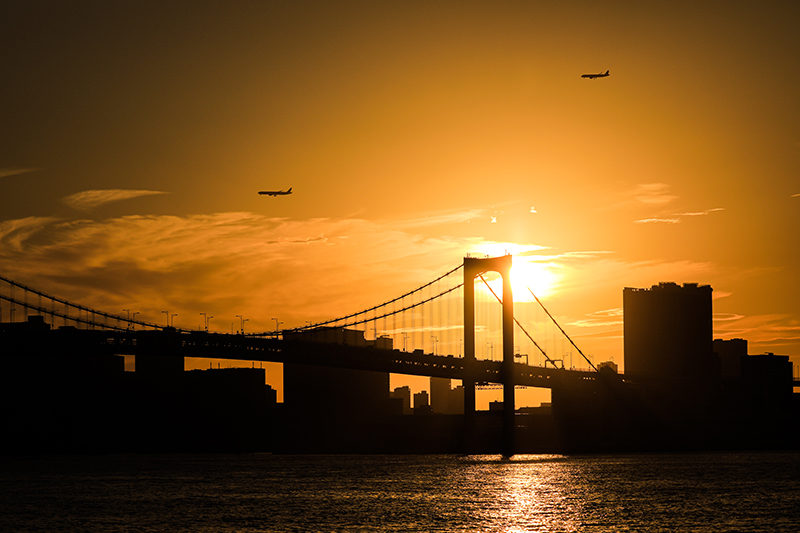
137	137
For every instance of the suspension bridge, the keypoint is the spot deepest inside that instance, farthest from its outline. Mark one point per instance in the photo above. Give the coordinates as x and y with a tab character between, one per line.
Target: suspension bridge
461	325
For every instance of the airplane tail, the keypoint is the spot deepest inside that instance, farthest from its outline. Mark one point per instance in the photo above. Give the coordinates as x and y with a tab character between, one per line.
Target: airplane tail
606	73
290	190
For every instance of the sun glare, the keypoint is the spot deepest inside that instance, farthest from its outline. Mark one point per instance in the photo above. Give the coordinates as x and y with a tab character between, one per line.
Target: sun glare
541	278
538	277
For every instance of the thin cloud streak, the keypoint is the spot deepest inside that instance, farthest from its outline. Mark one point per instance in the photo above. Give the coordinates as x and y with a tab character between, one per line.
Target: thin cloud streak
657	221
88	200
672	220
699	213
6	172
438	219
653	193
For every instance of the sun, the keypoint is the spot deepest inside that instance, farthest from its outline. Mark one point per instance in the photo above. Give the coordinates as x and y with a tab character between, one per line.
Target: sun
526	277
540	278
528	271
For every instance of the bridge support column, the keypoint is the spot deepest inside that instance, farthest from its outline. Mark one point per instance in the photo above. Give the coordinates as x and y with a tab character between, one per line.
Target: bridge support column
473	267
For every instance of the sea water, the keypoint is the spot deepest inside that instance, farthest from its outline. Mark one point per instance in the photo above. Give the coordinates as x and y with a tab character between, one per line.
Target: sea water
262	492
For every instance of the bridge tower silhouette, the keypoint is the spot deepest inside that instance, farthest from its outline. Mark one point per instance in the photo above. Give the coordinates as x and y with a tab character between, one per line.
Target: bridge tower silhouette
473	268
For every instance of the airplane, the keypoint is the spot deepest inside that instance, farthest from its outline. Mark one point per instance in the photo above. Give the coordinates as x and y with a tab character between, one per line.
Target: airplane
595	76
276	193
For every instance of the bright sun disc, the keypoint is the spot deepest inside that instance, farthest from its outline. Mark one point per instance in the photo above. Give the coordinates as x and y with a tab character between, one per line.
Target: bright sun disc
539	277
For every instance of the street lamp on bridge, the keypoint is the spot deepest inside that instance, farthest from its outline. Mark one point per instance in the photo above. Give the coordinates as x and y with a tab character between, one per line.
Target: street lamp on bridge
166	313
242	320
277	324
207	318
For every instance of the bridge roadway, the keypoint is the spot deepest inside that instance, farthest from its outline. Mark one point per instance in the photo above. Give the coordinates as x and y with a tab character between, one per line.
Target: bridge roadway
201	344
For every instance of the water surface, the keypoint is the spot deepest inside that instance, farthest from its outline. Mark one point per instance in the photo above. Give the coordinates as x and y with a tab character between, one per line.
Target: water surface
243	493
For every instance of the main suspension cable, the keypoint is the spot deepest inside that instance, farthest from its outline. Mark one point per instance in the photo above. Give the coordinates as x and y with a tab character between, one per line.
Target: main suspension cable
562	330
384	304
517	322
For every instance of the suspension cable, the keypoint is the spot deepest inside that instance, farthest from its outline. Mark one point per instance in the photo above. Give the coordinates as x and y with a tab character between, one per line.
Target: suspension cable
562	330
517	322
388	314
384	304
65	316
73	305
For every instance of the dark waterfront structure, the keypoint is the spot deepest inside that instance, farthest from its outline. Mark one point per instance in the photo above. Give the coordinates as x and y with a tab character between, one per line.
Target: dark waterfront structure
66	389
697	392
668	332
59	399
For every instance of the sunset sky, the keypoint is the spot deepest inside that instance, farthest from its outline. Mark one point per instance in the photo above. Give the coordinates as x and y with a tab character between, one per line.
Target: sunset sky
134	137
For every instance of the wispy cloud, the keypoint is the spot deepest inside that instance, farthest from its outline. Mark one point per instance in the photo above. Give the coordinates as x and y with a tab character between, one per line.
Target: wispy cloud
699	213
234	263
442	218
771	332
88	200
675	218
795	195
726	317
653	193
15	235
657	221
5	172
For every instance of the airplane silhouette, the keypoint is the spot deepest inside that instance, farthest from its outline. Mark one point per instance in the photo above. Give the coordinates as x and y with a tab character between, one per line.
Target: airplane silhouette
595	76
276	193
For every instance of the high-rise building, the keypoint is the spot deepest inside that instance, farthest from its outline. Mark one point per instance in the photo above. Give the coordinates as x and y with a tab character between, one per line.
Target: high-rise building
404	395
440	395
668	332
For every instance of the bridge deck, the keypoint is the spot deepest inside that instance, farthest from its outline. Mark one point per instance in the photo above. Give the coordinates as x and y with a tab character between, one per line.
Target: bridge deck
224	346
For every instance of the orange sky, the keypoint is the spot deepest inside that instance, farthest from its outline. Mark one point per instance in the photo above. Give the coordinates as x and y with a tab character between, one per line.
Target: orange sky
135	136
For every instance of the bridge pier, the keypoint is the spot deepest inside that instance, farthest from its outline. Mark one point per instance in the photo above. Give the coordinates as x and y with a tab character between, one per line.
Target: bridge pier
473	267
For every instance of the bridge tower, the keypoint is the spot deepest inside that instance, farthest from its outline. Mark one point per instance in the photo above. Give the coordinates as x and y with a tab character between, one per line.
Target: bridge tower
473	267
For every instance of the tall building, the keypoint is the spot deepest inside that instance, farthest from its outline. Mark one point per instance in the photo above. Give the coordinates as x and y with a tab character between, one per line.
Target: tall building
440	395
404	395
668	332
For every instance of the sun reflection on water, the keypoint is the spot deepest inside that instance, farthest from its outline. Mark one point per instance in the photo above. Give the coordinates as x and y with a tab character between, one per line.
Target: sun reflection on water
525	493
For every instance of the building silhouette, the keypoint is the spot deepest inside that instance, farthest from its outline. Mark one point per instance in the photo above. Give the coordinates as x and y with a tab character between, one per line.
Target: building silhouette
681	390
332	410
403	396
421	403
440	395
668	332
